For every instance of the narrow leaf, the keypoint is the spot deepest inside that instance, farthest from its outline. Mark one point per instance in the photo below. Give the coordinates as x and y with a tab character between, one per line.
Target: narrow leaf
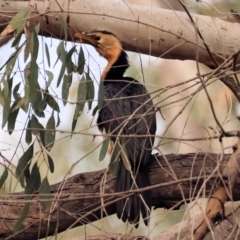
100	95
23	161
124	157
21	218
19	20
90	91
81	61
50	77
62	70
69	63
17	39
7	100
116	152
12	118
67	81
81	99
15	92
50	163
34	125
64	26
51	102
11	62
104	148
3	177
58	120
34	95
35	44
50	133
42	105
115	159
45	189
26	51
47	55
28	136
33	182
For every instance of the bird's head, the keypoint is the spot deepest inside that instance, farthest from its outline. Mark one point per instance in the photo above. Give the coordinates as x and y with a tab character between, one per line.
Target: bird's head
106	43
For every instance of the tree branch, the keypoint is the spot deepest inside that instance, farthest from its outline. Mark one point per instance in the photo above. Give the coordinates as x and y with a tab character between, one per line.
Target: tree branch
78	200
153	31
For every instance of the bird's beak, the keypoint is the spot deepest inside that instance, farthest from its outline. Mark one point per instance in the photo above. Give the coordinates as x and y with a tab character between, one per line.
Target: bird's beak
83	38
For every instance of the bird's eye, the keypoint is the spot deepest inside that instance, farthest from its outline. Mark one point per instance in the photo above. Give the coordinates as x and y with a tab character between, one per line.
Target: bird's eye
97	38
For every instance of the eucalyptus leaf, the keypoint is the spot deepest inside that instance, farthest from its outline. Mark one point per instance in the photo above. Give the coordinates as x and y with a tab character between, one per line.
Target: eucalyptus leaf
45	197
21	218
50	133
3	177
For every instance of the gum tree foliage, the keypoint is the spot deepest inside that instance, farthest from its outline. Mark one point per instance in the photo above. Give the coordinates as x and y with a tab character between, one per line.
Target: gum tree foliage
29	97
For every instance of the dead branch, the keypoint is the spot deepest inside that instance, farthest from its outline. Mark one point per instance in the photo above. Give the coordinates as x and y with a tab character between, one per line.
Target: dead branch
78	200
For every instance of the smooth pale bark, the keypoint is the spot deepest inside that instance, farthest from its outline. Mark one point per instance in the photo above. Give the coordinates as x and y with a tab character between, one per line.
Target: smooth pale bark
154	31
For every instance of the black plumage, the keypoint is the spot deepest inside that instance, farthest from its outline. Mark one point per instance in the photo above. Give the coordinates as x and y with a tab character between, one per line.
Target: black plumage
128	111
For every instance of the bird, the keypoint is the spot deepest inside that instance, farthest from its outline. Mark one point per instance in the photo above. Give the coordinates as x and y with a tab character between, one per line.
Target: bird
129	114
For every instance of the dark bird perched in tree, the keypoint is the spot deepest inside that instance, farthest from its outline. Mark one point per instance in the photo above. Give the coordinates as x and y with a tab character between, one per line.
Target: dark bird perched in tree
128	113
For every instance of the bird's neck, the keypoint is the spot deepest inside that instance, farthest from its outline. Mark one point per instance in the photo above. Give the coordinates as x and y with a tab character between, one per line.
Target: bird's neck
115	68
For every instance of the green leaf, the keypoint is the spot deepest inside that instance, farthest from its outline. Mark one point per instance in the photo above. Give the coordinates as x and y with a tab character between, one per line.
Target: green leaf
26	51
67	81
74	123
7	100
34	125
61	52
58	120
47	55
52	103
90	91
19	20
28	136
22	163
34	95
22	217
37	28
81	99
17	39
34	44
104	148
41	133
115	159
15	92
116	152
11	62
69	63
50	133
42	105
1	97
124	157
101	92
113	168
81	61
12	118
3	177
33	182
50	163
64	26
62	71
45	189
50	77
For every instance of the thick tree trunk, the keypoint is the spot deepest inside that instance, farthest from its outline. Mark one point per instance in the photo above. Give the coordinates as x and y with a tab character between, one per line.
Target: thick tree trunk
153	31
173	182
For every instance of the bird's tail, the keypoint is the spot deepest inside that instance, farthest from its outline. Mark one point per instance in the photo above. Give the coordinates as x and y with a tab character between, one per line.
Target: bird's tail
130	208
